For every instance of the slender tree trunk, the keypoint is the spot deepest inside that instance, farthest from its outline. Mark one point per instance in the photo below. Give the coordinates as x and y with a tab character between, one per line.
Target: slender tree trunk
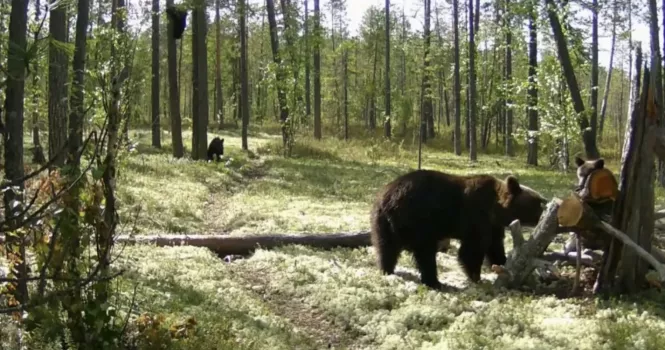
219	96
427	108
156	131
532	109
308	102
509	82
472	87
317	70
244	83
174	92
589	140
457	87
594	69
656	71
200	105
58	73
387	130
346	94
13	137
281	94
606	93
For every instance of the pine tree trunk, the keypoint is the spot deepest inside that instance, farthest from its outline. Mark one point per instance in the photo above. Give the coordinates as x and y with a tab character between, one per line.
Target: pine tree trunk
606	93
244	83
589	140
472	88
13	137
156	131
508	81
456	84
532	109
387	130
281	94
58	76
219	96
174	92
308	102
594	69
317	70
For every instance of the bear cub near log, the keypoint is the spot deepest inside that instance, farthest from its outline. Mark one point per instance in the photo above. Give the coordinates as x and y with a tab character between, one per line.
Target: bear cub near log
585	168
418	210
216	148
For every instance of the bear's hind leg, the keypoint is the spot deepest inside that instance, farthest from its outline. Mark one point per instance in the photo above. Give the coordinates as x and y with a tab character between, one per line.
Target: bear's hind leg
387	256
425	257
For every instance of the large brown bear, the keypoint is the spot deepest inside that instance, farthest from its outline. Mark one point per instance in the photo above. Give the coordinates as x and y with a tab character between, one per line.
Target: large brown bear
418	210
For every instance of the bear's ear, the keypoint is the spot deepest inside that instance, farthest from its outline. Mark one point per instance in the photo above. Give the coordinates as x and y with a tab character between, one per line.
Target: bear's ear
599	164
579	161
222	140
513	185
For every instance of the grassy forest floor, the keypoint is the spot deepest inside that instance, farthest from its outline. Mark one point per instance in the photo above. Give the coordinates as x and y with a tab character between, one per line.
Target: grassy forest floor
302	298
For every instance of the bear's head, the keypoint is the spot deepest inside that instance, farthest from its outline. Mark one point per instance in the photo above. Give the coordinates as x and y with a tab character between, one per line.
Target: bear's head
520	202
585	168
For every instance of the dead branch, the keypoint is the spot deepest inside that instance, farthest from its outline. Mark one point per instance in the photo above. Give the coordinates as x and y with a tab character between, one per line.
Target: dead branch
522	260
574	212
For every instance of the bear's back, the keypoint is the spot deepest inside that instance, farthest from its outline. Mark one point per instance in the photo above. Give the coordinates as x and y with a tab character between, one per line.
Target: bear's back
435	201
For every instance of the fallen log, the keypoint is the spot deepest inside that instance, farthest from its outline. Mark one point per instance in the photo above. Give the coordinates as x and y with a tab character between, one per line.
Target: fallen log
574	212
524	258
245	245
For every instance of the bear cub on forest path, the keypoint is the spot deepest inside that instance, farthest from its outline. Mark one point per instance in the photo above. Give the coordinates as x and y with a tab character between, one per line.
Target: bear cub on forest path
216	148
418	210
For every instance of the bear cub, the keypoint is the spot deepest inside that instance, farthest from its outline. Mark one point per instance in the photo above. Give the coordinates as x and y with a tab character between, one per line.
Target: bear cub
418	210
216	148
585	168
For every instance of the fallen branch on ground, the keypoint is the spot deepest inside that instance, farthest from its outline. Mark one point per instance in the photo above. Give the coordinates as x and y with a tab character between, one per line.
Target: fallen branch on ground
230	245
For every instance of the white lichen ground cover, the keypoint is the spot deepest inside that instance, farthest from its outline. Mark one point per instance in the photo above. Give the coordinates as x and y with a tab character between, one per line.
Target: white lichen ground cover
302	298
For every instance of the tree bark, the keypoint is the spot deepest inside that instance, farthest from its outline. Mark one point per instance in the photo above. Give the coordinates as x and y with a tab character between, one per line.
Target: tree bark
244	80
532	109
387	130
472	88
346	94
156	130
520	261
317	70
281	78
590	146
174	91
603	107
456	81
58	73
13	136
219	96
508	81
200	82
594	69
226	245
308	103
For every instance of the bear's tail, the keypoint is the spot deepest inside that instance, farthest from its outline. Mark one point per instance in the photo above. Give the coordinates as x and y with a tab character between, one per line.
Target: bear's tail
386	245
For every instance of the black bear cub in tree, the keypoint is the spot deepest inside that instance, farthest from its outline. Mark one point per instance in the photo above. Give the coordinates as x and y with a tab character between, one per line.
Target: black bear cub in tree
179	18
420	209
216	148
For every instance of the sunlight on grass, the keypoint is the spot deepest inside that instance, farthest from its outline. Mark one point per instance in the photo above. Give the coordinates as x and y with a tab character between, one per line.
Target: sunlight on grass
298	297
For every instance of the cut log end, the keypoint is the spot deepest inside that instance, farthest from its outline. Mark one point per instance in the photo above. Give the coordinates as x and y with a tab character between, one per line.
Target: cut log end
570	211
602	186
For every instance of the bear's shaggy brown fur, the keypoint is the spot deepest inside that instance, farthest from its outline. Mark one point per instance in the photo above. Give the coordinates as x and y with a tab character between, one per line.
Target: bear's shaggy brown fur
418	210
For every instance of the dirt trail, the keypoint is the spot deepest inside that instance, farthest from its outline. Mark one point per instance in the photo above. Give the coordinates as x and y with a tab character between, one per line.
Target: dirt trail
323	333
